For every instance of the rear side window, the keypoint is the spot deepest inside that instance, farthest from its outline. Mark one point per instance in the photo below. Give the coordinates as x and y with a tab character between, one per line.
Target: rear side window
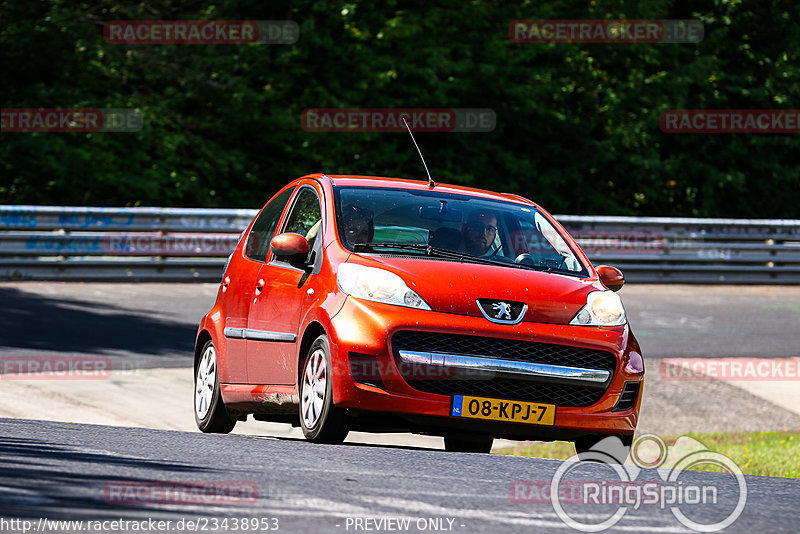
264	228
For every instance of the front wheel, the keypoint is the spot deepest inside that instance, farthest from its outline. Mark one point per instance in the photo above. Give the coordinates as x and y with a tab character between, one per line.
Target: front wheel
616	448
321	421
480	444
209	410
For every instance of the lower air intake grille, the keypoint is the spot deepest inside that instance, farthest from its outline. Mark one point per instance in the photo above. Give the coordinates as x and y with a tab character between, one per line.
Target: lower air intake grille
627	399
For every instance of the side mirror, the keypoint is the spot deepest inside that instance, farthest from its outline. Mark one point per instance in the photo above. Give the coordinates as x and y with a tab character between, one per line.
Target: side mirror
611	277
290	247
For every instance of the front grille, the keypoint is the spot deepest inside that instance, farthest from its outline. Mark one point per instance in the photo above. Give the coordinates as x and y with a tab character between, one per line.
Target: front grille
502	387
507	349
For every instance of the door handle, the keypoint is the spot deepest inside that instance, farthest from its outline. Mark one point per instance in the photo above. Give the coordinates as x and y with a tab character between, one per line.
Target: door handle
260	286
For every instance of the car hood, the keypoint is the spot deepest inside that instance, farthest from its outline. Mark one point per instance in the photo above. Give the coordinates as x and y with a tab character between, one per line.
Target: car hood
453	287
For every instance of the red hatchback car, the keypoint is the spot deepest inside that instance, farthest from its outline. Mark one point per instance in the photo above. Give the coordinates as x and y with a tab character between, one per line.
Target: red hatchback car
389	305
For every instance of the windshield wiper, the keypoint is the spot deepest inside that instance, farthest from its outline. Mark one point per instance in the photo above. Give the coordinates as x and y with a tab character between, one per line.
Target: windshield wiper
429	250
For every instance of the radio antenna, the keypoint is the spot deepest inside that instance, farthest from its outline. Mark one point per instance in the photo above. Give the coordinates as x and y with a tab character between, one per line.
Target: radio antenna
431	183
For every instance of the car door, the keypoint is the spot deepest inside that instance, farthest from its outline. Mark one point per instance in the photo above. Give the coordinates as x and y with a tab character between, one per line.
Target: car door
238	283
280	293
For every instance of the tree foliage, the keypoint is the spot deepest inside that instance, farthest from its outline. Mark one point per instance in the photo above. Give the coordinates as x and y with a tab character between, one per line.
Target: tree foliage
577	124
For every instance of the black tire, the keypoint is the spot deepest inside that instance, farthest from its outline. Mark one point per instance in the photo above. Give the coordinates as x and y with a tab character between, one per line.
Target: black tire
584	448
321	421
481	444
215	419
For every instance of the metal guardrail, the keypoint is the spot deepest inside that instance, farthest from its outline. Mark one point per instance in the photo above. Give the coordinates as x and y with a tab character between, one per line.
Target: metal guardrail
158	244
692	250
179	244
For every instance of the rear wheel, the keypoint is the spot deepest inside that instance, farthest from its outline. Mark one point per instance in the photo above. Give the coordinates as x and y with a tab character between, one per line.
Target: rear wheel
321	421
480	444
209	410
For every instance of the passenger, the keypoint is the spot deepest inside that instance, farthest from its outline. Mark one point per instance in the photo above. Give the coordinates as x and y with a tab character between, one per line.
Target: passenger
357	225
478	232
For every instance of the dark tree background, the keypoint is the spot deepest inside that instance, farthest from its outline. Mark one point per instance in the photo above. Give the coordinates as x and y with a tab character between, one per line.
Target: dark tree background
577	124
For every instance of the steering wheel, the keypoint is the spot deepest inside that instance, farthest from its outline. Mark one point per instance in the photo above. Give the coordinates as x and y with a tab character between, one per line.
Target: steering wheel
525	259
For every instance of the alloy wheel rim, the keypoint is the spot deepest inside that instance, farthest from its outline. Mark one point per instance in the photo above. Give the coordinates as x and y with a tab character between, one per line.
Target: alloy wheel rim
315	383
205	382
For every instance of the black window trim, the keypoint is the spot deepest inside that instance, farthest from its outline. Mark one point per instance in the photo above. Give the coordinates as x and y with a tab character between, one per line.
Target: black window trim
273	260
292	189
584	273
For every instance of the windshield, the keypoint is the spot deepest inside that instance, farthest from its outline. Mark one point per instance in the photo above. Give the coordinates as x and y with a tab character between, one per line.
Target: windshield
401	221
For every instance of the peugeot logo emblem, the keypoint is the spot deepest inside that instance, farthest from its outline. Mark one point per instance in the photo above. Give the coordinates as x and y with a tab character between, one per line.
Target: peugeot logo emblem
502	311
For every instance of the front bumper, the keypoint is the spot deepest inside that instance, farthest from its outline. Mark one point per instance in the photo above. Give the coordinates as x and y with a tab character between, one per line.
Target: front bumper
366	328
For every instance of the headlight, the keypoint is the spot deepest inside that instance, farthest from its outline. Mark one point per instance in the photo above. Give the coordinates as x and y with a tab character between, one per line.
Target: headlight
603	308
379	285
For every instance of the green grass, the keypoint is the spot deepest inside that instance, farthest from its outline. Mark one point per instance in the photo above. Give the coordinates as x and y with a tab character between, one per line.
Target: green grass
775	454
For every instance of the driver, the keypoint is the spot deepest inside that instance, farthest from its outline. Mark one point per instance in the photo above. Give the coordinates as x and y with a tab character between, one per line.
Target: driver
478	232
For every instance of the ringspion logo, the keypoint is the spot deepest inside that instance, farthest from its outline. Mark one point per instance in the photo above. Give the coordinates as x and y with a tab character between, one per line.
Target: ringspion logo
162	32
583	496
605	31
70	120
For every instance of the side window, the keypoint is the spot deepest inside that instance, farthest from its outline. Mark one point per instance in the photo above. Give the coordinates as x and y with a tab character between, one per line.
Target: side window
306	217
264	228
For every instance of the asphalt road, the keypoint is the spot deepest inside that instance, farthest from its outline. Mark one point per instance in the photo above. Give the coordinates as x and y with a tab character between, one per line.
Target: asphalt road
66	471
148	328
70	472
141	325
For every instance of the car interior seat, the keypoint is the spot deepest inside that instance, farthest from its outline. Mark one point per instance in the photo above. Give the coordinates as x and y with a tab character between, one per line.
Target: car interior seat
444	237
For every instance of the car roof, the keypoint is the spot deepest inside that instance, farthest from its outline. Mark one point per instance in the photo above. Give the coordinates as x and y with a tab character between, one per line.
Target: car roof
419	185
